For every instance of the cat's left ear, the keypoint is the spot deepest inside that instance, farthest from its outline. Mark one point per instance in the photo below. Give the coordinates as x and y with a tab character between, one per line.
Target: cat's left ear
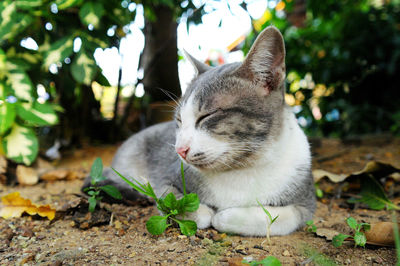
265	63
200	67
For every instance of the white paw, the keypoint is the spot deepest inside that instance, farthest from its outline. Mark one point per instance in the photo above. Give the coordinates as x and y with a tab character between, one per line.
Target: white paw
222	219
202	216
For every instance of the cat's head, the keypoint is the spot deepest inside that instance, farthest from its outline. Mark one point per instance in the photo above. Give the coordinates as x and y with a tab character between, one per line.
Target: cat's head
229	112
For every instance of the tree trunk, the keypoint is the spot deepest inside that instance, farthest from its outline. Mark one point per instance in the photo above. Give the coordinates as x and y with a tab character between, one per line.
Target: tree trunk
160	59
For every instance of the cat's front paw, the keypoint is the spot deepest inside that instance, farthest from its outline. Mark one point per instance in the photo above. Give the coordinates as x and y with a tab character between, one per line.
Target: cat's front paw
202	216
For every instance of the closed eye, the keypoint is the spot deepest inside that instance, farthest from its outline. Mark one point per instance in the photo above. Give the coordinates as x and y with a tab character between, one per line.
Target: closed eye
201	118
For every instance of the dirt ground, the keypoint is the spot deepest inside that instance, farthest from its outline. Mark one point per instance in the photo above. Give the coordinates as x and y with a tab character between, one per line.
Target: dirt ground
122	239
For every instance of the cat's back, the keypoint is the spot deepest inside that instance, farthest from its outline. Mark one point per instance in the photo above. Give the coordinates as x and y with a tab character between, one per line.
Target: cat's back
146	149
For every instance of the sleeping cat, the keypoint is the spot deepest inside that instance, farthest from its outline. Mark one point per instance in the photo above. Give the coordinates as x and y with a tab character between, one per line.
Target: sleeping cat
239	142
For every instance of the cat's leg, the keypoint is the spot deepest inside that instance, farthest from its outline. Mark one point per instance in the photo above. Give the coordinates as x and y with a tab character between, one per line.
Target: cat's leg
202	216
252	221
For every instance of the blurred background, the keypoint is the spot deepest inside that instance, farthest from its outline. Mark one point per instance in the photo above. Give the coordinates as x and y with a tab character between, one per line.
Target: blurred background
76	72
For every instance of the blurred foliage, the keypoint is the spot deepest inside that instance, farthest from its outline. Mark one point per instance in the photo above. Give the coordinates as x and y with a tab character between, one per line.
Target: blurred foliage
66	34
342	66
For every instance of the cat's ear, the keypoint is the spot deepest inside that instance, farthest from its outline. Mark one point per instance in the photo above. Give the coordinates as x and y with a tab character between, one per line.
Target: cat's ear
265	62
200	67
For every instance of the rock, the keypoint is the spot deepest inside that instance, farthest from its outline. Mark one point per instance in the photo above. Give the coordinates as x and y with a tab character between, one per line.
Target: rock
286	253
43	166
53	175
27	175
3	164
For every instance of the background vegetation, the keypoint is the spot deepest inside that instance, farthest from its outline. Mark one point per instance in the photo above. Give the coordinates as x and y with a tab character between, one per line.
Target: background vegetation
342	61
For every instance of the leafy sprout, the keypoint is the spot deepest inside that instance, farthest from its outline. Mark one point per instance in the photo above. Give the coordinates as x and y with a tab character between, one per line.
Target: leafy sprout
171	207
268	261
270	220
94	190
358	236
311	226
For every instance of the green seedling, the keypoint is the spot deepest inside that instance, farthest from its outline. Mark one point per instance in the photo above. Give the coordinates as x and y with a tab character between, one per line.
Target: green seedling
270	220
94	190
318	192
268	261
170	207
358	236
310	226
373	195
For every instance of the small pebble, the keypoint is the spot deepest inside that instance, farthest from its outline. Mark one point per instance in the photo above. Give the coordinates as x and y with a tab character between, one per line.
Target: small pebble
286	253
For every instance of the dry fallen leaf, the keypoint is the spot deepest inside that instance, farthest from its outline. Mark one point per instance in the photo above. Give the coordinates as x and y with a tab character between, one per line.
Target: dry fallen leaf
380	234
13	205
27	175
373	167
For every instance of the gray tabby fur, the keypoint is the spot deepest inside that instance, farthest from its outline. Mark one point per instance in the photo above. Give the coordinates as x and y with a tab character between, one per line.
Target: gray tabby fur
264	155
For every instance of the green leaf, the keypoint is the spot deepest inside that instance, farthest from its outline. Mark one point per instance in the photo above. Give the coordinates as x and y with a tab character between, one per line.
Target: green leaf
156	225
92	203
365	226
189	203
170	201
337	240
112	191
58	51
271	220
310	222
21	144
64	4
28	4
84	68
360	239
91	13
268	261
352	223
183	179
188	227
96	173
7	116
373	195
21	84
37	114
138	186
12	22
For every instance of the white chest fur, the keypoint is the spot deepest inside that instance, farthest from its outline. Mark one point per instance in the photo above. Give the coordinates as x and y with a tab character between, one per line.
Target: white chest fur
271	175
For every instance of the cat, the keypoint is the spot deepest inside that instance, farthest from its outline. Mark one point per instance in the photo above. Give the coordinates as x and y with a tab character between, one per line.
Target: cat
240	143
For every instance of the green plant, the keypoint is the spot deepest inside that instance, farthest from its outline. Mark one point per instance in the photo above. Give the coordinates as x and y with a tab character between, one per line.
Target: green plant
373	195
311	226
170	207
268	261
94	190
270	220
358	236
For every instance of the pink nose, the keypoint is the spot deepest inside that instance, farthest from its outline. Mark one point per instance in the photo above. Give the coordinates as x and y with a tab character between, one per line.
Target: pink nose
183	151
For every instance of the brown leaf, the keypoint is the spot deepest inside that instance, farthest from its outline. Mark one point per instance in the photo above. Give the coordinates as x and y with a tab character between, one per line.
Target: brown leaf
380	234
13	205
27	175
378	169
326	232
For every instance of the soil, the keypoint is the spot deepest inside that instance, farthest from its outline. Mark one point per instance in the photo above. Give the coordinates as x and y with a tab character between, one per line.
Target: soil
116	235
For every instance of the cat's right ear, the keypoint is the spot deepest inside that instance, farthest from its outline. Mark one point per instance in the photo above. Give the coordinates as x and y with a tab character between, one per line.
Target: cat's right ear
265	63
199	67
